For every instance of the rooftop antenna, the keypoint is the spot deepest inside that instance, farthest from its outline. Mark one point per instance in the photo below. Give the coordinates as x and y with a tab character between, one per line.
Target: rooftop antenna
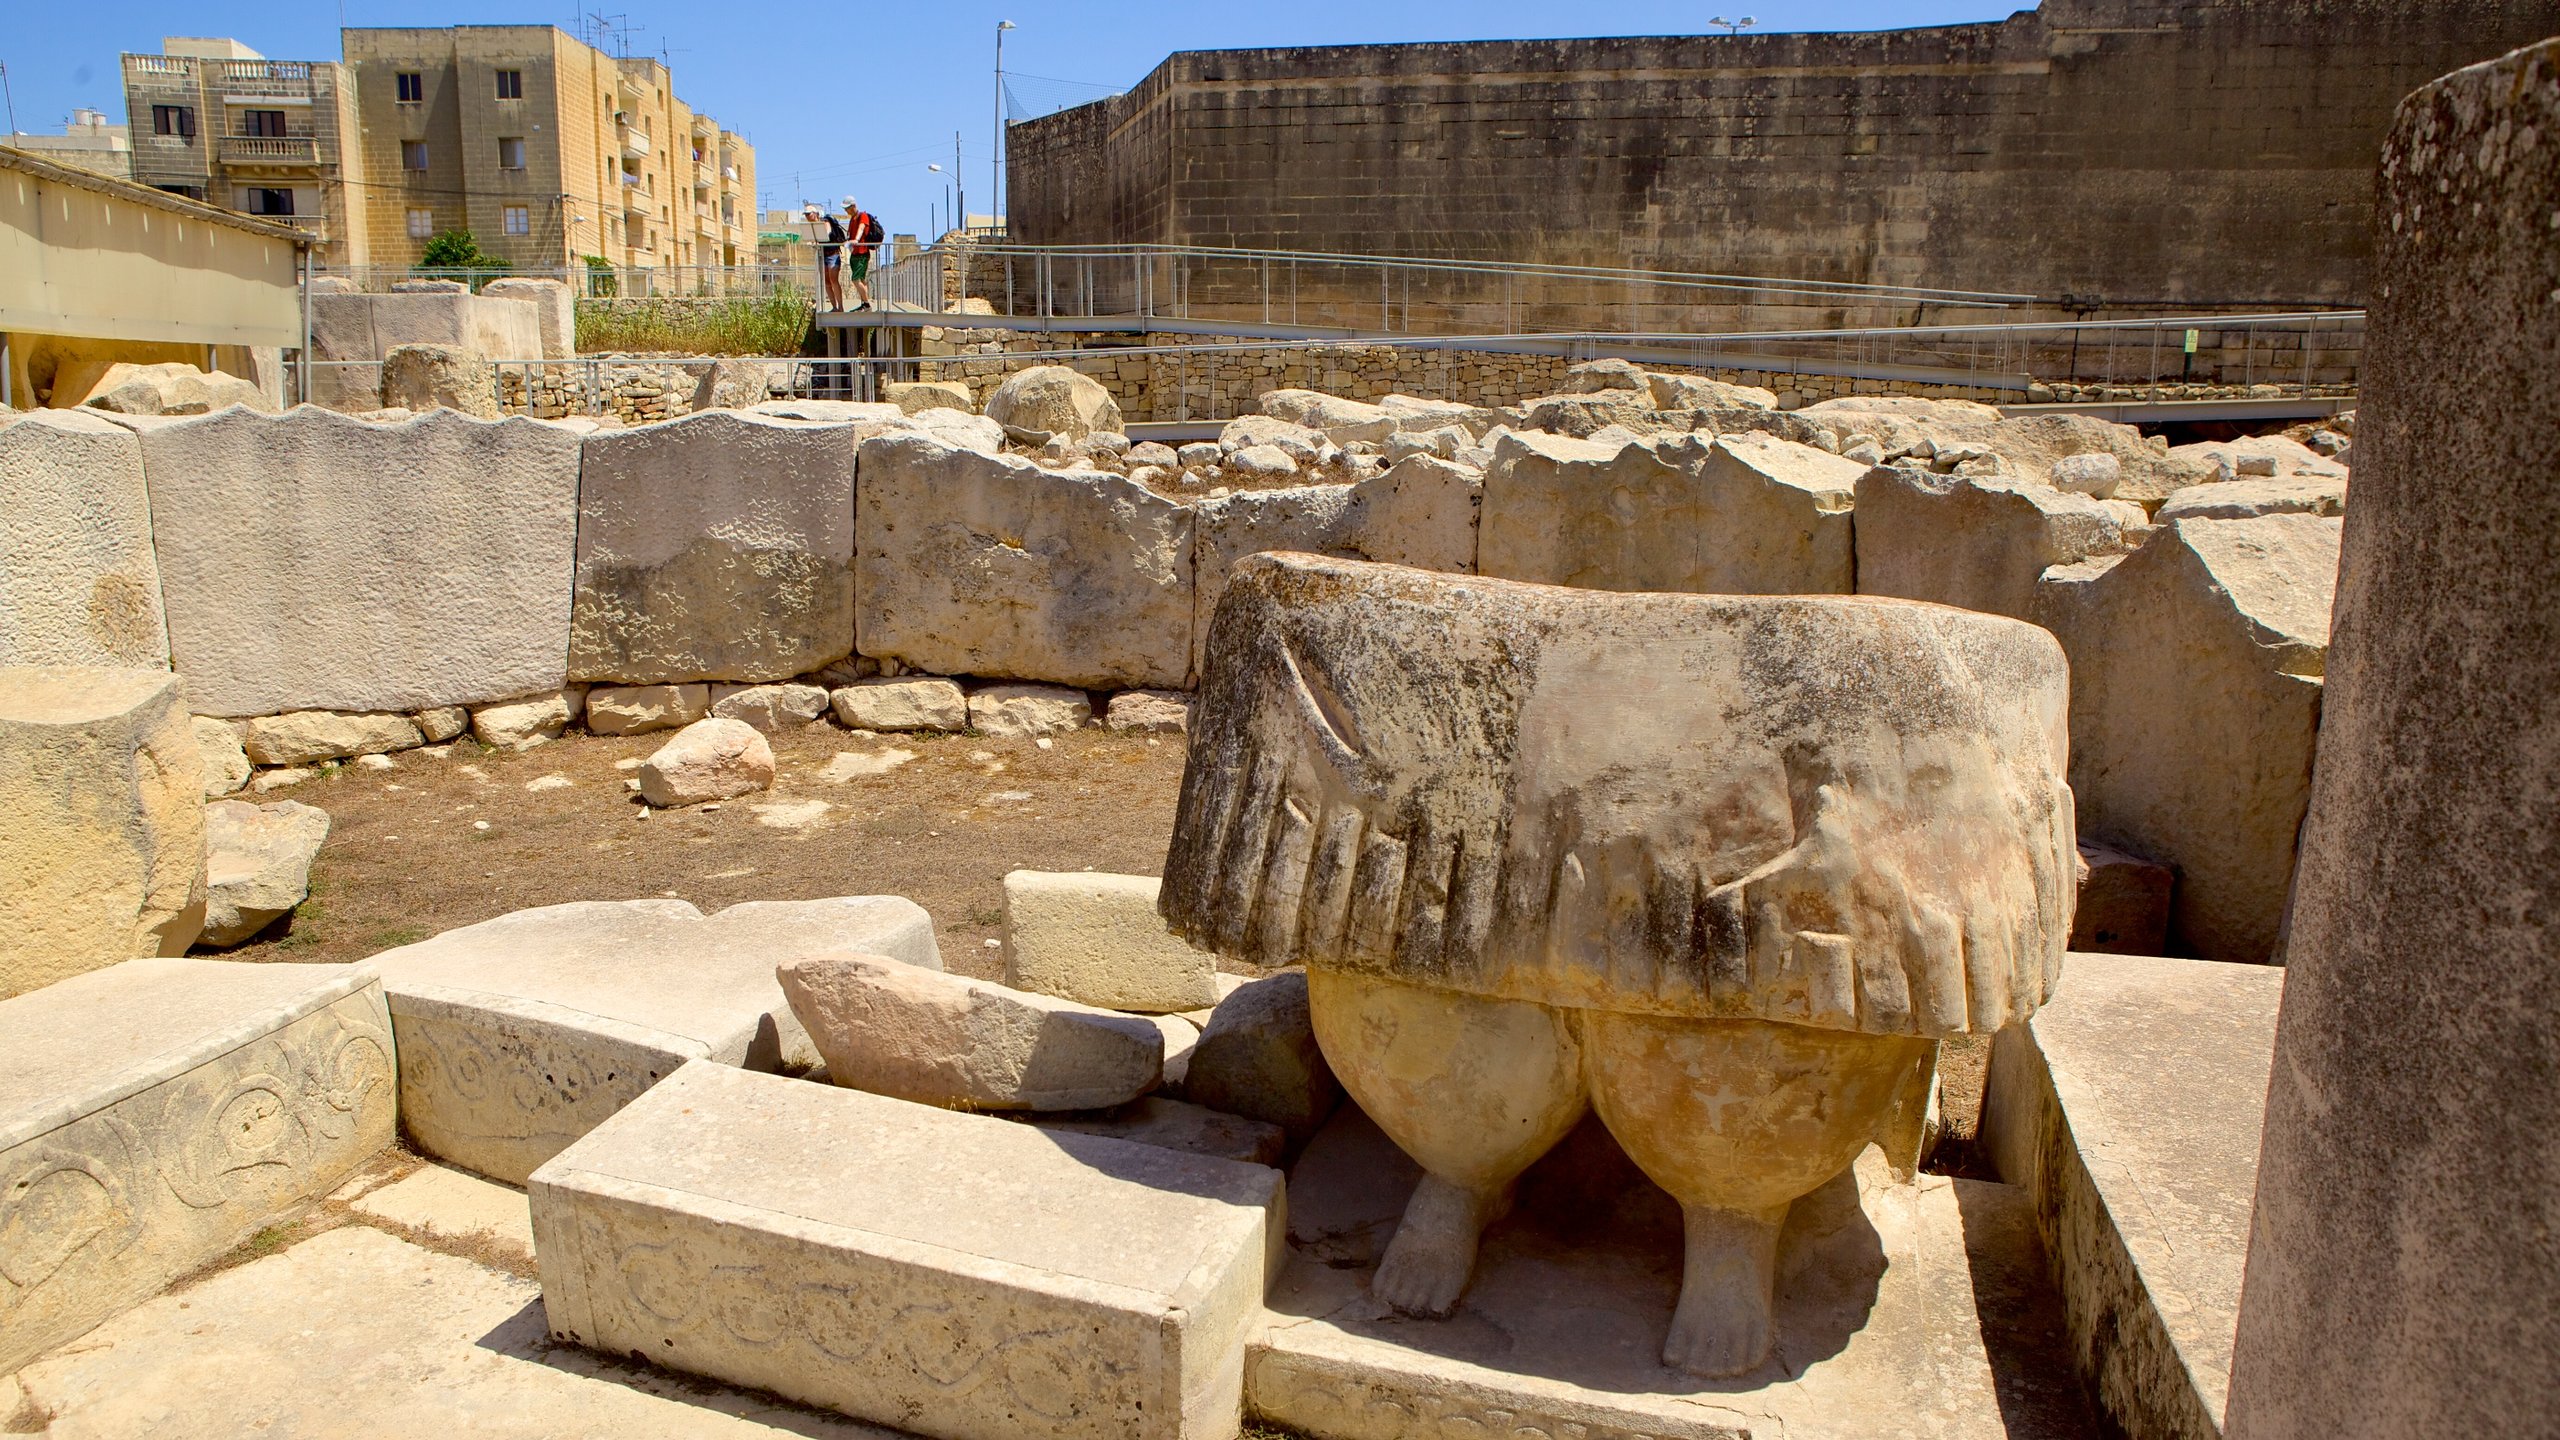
1735	27
12	97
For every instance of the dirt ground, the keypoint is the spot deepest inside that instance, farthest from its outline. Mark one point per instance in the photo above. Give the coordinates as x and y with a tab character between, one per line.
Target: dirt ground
432	844
436	843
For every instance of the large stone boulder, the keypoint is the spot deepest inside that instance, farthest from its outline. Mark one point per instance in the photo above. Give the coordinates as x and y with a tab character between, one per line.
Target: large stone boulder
555	311
1974	542
715	547
1310	518
639	709
1421	512
2196	669
1342	421
430	377
1698	392
168	389
225	758
2249	499
949	1041
257	864
914	397
1055	399
78	582
1258	1058
707	760
104	845
1744	514
315	561
974	564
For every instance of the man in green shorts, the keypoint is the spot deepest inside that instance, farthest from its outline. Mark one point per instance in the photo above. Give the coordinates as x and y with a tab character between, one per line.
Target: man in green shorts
863	232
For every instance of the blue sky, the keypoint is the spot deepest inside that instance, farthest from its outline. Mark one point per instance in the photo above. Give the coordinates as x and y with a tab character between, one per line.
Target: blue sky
860	97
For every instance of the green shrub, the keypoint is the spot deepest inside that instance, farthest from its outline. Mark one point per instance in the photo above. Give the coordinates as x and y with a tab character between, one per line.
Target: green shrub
776	324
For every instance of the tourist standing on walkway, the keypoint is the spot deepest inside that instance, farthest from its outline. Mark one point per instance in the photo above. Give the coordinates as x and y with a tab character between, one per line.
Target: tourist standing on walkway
830	252
863	235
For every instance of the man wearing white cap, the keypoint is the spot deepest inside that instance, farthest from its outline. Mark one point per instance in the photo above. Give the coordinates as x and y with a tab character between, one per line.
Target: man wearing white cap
830	252
863	232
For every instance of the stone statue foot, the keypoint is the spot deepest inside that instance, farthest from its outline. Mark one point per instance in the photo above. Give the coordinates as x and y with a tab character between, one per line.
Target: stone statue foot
1722	1326
1427	1264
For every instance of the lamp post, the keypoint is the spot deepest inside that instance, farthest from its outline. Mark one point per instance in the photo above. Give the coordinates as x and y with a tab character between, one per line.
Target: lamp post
946	200
1735	27
995	161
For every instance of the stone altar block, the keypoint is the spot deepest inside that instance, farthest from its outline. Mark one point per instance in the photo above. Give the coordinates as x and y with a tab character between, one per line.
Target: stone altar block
959	1276
520	1034
156	1113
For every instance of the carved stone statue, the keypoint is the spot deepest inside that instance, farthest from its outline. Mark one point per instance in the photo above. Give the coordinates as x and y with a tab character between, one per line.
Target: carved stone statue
1724	868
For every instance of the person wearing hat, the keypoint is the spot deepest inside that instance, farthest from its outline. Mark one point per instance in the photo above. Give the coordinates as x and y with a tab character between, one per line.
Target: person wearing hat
830	252
864	232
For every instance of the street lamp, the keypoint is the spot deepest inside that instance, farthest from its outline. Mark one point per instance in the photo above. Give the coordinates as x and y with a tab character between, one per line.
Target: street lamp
1735	27
995	161
946	199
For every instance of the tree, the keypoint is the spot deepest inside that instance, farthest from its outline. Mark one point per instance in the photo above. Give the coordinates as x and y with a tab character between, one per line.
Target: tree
457	250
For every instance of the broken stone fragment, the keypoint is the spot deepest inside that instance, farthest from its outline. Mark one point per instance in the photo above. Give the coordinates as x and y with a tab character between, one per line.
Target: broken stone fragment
523	723
1055	399
226	760
2249	499
257	864
1024	710
1149	712
707	760
1258	1058
946	1040
638	709
1097	940
906	703
770	708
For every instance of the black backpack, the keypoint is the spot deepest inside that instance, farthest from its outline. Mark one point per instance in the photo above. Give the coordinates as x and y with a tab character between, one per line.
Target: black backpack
872	231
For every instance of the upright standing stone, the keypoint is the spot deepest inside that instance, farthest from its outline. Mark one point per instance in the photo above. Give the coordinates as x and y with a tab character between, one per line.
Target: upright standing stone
313	561
716	547
78	584
2403	1275
102	849
1974	542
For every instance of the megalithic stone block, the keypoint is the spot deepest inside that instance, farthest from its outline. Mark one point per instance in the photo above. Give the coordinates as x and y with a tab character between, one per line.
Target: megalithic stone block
78	583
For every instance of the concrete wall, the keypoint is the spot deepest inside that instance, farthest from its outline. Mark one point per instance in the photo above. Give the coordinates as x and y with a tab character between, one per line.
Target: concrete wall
2192	151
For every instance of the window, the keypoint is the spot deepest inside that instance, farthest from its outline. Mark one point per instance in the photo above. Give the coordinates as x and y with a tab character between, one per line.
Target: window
413	87
510	84
413	154
268	123
422	224
192	192
519	220
174	120
511	152
258	200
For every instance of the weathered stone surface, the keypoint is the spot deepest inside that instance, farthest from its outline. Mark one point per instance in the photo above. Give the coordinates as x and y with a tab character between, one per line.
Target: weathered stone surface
2027	448
931	703
913	397
1886	1292
527	721
257	864
2124	903
104	849
2249	499
453	1204
439	723
1260	463
78	584
1342	421
555	312
949	1041
1593	377
2195	705
733	385
171	389
302	736
707	760
637	709
716	547
419	378
1258	1058
1173	1125
1055	399
975	564
1034	1283
2402	1278
1019	710
225	759
2258	457
769	708
1149	712
1310	518
159	1112
1301	443
2129	1110
1097	940
518	1035
414	1338
1585	416
1974	542
1741	515
297	577
1421	512
1698	392
2093	475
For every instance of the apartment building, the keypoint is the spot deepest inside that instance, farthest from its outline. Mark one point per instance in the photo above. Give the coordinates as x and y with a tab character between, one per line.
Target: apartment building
546	149
87	142
213	120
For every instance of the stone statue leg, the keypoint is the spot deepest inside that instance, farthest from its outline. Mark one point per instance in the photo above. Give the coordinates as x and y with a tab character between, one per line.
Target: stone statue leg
1473	1089
1737	1119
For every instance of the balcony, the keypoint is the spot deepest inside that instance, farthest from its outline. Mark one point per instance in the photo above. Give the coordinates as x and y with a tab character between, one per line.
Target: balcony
701	177
156	64
299	152
266	69
635	141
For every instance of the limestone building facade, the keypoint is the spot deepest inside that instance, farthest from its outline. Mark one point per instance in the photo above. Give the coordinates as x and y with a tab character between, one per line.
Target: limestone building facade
213	120
87	142
546	149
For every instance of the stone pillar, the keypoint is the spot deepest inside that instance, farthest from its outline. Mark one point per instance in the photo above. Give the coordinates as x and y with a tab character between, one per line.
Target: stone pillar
2404	1275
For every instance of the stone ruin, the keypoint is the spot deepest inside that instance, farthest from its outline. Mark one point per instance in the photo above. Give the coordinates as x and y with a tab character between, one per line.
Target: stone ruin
1606	811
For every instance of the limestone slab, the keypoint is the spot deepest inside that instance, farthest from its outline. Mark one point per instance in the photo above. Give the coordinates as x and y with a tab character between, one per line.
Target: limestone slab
1013	711
1421	512
873	1256
453	1204
156	1113
973	564
770	708
519	1034
78	582
2248	499
885	703
104	846
1901	1310
1974	542
1173	1125
313	561
2130	1110
357	1334
257	864
302	736
1096	939
637	709
715	547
